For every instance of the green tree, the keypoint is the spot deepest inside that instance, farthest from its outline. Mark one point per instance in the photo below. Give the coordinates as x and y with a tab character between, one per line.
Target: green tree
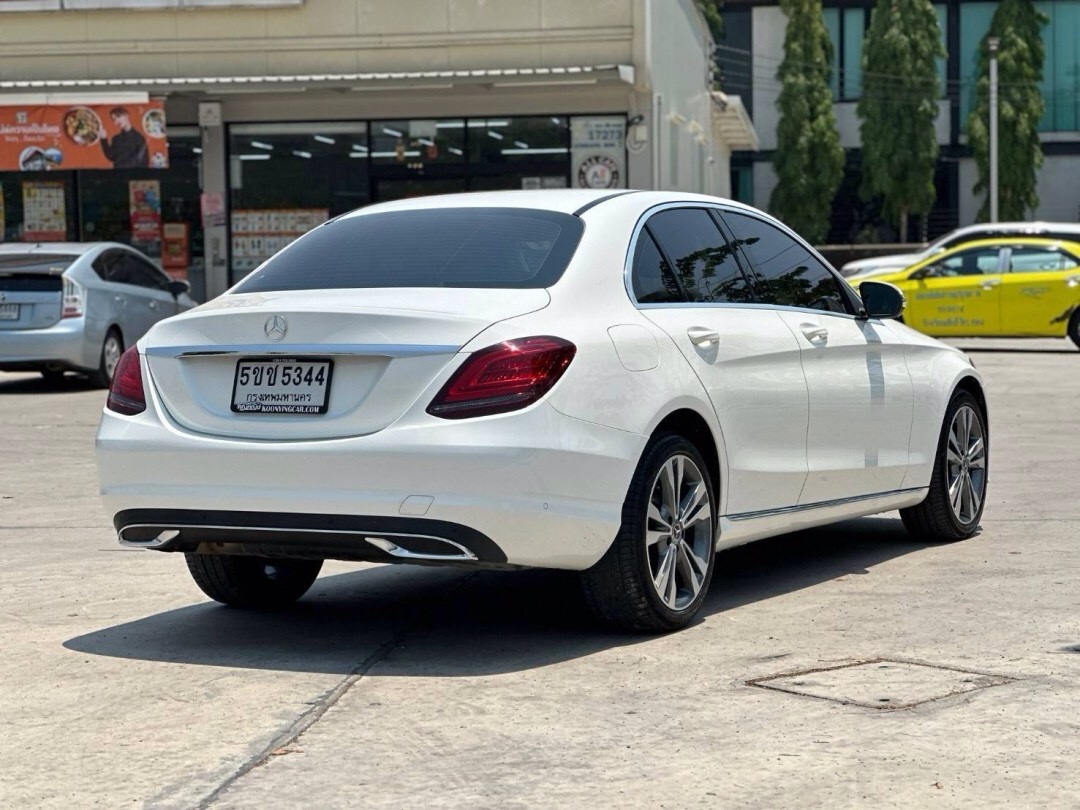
1017	24
898	107
710	10
809	160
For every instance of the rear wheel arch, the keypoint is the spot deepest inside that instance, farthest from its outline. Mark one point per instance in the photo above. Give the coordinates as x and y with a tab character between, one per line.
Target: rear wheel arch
973	387
692	426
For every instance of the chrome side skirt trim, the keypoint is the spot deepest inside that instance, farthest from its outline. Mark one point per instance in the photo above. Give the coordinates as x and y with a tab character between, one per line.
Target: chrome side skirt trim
787	510
301	349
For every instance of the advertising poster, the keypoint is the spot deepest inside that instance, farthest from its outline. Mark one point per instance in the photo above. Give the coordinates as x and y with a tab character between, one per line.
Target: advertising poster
212	205
174	249
46	137
3	219
144	204
44	212
598	151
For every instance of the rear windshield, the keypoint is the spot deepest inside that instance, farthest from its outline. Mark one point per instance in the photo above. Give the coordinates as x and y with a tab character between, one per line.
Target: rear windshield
36	272
510	248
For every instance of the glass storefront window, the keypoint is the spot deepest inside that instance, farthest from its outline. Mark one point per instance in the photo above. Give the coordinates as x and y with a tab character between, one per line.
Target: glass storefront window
284	179
57	224
515	153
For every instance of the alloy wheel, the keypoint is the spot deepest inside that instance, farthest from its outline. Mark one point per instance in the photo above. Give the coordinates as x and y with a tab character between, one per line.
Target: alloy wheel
110	355
965	464
678	533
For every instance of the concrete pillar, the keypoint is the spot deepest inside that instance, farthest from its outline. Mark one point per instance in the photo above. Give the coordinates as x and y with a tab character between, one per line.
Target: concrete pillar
215	180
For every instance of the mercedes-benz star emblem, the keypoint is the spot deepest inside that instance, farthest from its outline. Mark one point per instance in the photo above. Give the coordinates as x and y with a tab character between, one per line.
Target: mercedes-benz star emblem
276	327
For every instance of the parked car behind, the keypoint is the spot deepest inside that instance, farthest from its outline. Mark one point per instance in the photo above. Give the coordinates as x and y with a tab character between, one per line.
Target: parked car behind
995	288
863	269
617	384
75	307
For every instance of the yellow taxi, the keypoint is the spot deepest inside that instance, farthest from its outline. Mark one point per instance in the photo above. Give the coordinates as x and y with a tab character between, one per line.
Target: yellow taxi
1018	287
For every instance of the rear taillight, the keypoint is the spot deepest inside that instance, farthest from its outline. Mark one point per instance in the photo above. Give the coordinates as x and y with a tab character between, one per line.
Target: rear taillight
126	391
503	378
74	298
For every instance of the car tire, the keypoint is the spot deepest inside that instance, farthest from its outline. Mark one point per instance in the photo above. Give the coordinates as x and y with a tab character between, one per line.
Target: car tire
1074	328
252	582
111	350
656	573
961	461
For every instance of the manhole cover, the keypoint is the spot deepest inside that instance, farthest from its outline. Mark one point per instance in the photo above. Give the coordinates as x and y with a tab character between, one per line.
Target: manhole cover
880	683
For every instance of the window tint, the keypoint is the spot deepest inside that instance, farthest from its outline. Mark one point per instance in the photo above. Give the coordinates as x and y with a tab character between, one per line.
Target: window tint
704	262
975	262
651	275
1039	260
793	276
499	248
112	266
145	274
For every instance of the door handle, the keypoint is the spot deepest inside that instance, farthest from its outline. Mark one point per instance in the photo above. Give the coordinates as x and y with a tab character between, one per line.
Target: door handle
814	332
153	305
1072	281
990	283
119	299
700	336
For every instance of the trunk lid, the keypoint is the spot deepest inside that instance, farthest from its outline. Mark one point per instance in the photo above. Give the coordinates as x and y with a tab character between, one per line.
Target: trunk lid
31	290
386	347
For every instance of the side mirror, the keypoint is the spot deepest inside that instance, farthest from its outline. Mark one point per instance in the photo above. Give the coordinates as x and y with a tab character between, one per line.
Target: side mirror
922	272
881	300
178	288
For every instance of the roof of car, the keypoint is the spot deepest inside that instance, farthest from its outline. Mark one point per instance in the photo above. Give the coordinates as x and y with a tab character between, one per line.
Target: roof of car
1005	241
54	248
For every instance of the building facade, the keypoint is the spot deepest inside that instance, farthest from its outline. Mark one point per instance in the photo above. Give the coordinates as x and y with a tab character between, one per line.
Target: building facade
752	49
282	113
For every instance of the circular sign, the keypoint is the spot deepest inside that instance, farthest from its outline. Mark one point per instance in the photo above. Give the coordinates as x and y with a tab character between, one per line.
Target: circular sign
598	171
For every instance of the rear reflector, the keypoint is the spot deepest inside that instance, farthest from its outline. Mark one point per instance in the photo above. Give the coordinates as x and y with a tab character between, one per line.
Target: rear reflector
504	377
126	394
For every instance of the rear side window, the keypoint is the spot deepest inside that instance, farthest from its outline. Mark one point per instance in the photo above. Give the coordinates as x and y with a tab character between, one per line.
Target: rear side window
1039	260
653	279
502	248
792	275
703	261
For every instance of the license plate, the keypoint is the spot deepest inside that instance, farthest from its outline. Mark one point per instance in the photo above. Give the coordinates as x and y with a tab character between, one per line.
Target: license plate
9	312
282	385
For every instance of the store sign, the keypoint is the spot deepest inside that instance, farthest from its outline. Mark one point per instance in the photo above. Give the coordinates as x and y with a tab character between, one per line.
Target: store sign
598	152
44	212
100	136
175	249
144	206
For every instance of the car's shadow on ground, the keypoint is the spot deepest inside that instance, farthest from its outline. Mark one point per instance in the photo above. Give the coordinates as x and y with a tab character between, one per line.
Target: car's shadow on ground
457	623
25	384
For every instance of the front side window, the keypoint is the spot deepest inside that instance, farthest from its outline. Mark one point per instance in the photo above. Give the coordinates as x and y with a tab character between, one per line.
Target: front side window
792	275
1040	260
974	262
497	248
703	261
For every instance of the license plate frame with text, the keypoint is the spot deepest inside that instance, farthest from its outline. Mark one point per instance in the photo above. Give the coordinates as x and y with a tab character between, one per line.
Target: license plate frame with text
278	386
9	312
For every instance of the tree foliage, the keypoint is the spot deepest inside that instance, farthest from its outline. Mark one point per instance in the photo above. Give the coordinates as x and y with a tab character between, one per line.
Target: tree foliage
1018	24
809	160
898	107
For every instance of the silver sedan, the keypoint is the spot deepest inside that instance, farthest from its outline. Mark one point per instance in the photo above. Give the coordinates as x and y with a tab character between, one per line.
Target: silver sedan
76	306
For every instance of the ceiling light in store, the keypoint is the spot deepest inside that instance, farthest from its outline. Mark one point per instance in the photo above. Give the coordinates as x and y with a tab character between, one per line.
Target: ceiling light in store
496	135
551	151
197	150
324	139
254	157
488	124
521	144
393	132
359	147
450	125
261	145
301	153
556	121
358	154
454	150
425	141
396	154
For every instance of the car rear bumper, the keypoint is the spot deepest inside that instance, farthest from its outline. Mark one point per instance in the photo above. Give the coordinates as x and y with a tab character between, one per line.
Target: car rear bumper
532	488
64	345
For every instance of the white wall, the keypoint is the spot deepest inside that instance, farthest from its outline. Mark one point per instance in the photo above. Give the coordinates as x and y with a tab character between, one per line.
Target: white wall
1058	185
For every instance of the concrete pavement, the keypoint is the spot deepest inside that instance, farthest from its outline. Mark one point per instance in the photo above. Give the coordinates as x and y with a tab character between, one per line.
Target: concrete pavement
395	686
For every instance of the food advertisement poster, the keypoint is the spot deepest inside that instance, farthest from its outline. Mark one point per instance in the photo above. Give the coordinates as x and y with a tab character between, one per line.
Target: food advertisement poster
598	151
174	249
44	212
102	136
144	203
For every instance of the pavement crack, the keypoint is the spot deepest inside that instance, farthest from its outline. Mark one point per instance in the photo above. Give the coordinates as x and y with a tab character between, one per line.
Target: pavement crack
326	701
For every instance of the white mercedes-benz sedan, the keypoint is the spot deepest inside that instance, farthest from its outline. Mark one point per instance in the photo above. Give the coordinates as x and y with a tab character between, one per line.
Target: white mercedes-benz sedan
617	384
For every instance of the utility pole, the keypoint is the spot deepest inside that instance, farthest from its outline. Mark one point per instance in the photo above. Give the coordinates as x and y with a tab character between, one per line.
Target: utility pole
993	43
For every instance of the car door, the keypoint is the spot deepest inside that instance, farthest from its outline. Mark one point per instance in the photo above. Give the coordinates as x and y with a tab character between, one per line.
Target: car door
149	299
957	294
860	392
1040	290
687	280
159	297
